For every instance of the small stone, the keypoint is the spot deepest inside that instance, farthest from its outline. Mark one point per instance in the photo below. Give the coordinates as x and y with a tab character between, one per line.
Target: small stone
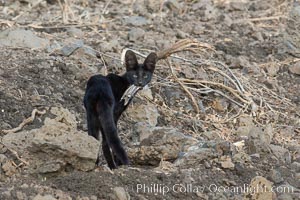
3	158
46	197
144	113
295	68
5	125
297	176
9	169
7	194
275	176
260	182
121	193
285	197
281	153
181	35
195	157
210	135
146	93
273	69
141	132
172	5
49	167
75	32
240	62
295	166
112	45
21	195
227	20
136	21
241	157
258	140
238	5
136	34
24	185
202	196
93	197
68	49
227	163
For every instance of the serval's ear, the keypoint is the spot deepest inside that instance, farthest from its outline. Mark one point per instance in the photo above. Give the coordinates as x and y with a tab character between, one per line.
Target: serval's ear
150	61
131	62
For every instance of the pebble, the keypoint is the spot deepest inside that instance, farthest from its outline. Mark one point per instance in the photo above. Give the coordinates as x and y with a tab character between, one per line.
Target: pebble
295	166
275	176
136	21
121	193
295	68
136	34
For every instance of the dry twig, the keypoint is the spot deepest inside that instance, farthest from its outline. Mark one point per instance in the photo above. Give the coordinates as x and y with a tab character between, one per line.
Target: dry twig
184	88
26	121
182	45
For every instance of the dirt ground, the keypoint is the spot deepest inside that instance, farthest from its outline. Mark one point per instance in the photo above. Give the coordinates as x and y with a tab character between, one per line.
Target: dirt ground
246	36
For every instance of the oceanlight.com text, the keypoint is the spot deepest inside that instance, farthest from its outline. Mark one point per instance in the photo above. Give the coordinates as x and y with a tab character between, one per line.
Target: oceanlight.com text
213	188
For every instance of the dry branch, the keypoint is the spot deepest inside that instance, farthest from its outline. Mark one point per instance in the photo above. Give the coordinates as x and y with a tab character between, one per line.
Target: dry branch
26	121
184	88
182	45
234	92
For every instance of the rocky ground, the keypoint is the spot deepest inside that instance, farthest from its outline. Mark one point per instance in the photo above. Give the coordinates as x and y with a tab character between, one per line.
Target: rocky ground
220	119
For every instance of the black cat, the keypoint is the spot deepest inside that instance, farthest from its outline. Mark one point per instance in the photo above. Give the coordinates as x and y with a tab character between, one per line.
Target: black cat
104	104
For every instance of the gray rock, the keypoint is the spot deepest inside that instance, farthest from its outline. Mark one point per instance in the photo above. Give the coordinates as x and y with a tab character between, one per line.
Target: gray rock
172	4
46	197
3	159
54	46
7	194
143	113
291	34
141	131
295	166
136	34
22	38
136	21
160	143
210	13
75	32
238	5
3	124
21	196
112	46
210	135
259	182
281	153
55	145
285	197
241	62
195	157
89	51
295	68
68	49
259	140
275	176
181	34
151	5
3	149
8	168
139	7
121	194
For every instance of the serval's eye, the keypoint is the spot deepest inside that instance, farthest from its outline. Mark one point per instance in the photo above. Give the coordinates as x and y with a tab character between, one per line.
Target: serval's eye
134	76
